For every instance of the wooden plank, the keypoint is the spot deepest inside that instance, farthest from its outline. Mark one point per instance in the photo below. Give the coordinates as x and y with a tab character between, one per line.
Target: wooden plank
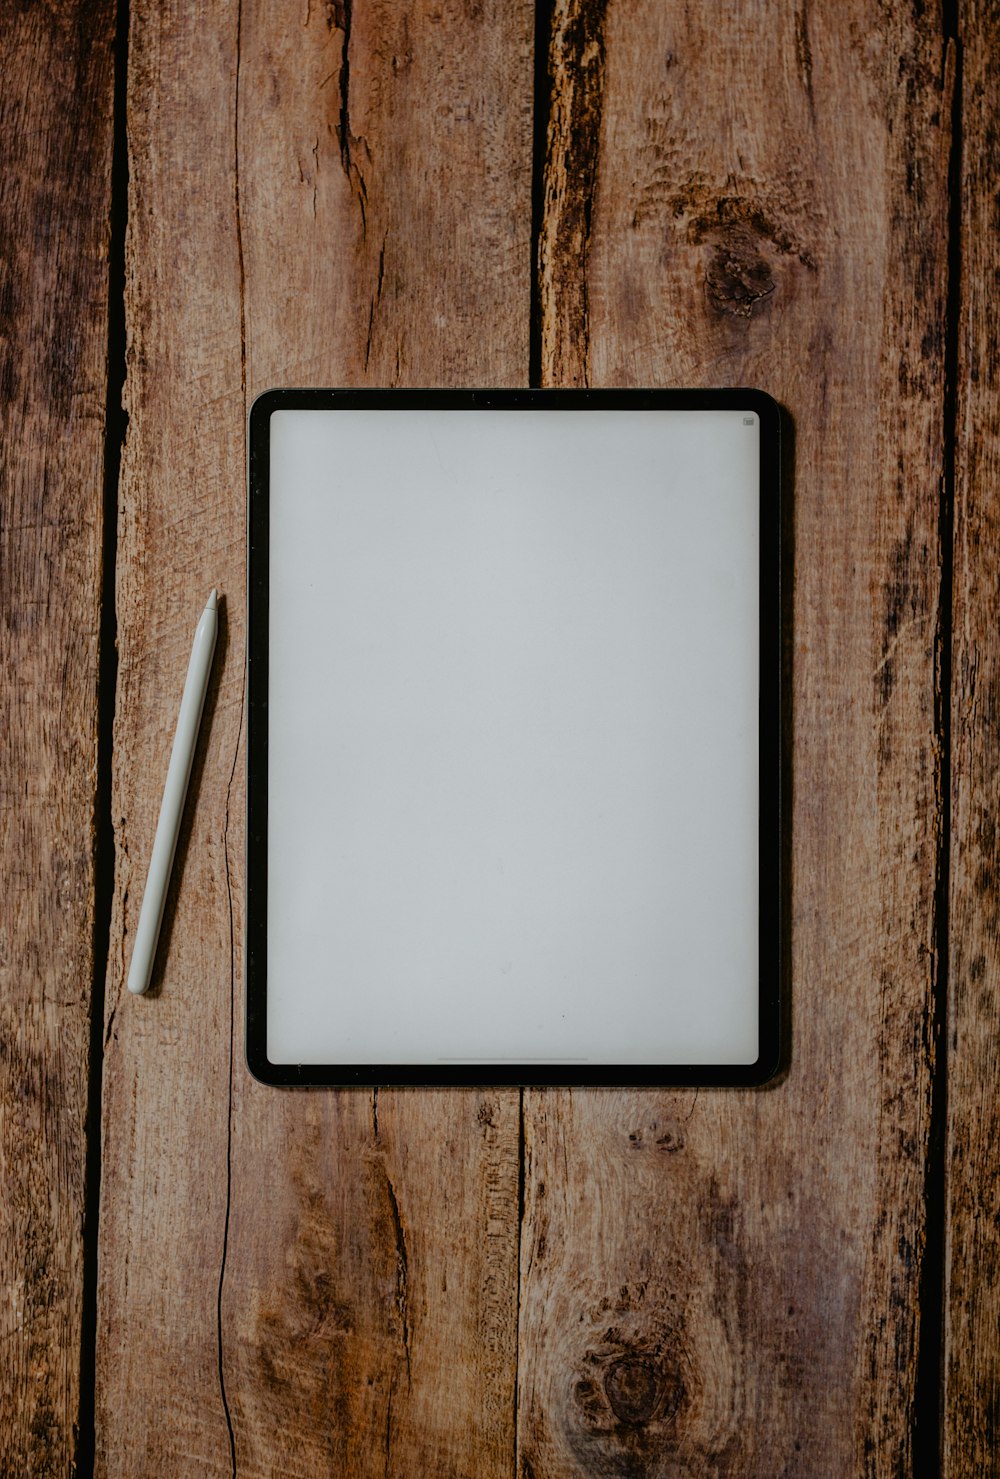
972	1321
727	1282
56	105
308	1281
166	1059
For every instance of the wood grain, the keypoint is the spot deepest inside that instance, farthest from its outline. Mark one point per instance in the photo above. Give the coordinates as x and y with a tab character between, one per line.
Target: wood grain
309	1281
56	104
727	1282
972	1325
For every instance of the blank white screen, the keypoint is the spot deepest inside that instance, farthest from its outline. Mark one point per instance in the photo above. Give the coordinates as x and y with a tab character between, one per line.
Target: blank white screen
512	737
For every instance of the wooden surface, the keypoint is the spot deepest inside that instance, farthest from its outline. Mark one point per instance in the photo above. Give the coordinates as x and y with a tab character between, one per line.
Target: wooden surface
486	1283
56	100
972	1336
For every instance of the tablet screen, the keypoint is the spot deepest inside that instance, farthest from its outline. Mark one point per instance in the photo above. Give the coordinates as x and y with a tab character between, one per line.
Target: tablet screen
513	745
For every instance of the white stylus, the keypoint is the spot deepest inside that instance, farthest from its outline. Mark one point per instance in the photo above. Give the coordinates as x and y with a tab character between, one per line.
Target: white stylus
174	792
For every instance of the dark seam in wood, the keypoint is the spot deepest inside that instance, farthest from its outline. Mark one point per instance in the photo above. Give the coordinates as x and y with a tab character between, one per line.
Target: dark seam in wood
571	170
239	221
115	426
520	1234
541	114
232	773
229	1097
583	145
927	1429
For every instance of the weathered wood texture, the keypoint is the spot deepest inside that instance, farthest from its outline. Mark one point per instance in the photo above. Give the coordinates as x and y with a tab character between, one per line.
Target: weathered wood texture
304	1282
972	1324
56	105
727	1282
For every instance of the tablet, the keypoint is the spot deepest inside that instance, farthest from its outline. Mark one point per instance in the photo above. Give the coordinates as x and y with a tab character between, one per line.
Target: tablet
514	737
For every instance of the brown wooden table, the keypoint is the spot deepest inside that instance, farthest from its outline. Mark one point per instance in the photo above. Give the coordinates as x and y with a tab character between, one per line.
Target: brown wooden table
201	1276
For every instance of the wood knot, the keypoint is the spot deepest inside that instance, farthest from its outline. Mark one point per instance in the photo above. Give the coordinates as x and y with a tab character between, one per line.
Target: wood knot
638	1390
751	248
737	276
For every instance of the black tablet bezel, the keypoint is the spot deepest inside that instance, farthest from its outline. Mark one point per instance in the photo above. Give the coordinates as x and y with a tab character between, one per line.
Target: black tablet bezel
773	880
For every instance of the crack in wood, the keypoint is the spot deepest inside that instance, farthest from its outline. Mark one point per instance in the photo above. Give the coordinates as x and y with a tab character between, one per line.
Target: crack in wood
402	1271
376	299
340	17
388	1428
111	1023
343	21
803	55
